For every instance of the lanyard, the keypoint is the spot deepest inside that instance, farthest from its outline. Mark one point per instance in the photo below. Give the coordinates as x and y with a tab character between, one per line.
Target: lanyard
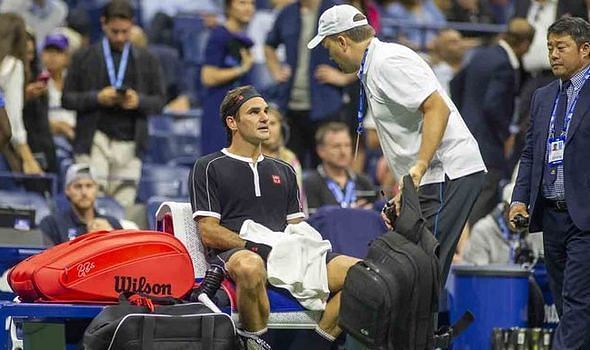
569	114
344	198
361	109
116	80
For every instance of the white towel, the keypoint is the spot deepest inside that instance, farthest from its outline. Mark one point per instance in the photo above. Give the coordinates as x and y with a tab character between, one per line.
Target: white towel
297	261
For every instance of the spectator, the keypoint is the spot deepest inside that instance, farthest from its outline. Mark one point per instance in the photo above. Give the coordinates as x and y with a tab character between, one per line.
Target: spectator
485	93
261	24
238	183
274	146
112	103
415	12
310	86
227	64
13	74
369	9
334	182
470	11
492	239
447	56
43	16
80	189
55	58
35	112
5	132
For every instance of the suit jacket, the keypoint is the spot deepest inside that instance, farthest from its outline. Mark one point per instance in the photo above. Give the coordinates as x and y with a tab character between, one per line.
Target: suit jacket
574	8
85	79
576	158
484	93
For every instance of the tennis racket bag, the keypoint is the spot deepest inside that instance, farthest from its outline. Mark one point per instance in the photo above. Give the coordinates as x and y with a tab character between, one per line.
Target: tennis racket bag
96	267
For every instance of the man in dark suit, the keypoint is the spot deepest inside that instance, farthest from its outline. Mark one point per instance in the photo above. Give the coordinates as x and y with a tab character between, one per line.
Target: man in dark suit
484	92
553	182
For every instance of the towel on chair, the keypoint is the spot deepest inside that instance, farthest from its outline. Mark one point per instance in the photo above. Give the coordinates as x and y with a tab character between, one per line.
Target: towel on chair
297	261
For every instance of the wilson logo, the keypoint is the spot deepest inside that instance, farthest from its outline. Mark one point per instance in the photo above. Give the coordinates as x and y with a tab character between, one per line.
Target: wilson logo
141	285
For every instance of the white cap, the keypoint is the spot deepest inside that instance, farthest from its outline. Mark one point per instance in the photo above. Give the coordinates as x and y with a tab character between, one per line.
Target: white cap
78	171
336	19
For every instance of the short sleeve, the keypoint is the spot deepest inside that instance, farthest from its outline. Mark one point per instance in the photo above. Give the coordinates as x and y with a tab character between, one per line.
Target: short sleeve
273	38
203	190
214	50
294	208
405	81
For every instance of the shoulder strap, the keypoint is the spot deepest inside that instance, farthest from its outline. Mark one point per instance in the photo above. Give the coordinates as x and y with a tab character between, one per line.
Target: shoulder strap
444	336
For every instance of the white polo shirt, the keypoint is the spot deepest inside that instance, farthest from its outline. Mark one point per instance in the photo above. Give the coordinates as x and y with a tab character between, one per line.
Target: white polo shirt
397	81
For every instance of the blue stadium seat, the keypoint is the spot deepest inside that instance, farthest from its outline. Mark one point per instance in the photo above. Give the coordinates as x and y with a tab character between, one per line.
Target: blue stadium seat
165	146
191	34
162	180
349	230
26	200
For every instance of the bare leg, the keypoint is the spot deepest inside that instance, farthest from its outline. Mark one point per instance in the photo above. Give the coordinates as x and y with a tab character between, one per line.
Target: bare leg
337	270
248	272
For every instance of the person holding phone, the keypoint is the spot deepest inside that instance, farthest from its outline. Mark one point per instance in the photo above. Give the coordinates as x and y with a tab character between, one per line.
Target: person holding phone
113	86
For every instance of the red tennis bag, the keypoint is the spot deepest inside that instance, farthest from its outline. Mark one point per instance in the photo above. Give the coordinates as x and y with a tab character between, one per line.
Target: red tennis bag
98	266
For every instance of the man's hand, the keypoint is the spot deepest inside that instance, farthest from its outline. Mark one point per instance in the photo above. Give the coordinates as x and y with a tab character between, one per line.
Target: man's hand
247	60
108	96
516	209
130	100
327	74
99	224
417	172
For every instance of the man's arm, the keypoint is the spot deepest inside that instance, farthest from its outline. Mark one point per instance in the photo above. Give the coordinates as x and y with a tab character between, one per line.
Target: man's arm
215	236
436	116
73	97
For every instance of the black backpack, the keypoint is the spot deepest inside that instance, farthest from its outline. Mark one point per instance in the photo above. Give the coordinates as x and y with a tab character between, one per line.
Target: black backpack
179	325
389	300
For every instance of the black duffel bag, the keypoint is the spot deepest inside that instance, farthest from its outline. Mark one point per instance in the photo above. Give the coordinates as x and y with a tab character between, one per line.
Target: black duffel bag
148	326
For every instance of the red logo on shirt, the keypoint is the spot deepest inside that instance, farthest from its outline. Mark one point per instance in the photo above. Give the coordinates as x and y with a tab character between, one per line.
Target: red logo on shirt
276	179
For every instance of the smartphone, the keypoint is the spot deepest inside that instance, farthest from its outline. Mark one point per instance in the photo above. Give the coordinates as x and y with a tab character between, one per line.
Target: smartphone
43	77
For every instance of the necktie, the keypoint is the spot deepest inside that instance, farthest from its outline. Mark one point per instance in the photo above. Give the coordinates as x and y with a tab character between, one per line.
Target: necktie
561	110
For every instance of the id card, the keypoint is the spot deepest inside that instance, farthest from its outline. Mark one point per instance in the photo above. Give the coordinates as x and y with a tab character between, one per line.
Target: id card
556	148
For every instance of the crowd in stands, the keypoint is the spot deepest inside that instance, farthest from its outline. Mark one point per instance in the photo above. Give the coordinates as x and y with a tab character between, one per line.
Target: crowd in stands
68	103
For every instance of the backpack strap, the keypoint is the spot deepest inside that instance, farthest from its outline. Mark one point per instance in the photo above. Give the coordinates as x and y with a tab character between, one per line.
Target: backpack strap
445	335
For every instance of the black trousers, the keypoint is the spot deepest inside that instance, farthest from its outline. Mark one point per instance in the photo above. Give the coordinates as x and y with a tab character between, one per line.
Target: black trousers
567	257
446	206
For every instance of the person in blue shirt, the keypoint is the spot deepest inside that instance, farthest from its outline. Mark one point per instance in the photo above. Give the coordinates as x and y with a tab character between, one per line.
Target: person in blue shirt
227	64
81	217
5	131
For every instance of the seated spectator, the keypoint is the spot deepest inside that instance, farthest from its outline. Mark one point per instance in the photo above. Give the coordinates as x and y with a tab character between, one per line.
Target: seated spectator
43	16
238	183
333	182
470	11
492	241
81	217
274	146
415	12
447	56
5	132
